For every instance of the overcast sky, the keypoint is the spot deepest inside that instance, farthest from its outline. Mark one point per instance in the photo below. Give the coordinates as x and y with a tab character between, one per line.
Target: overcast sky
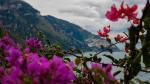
89	14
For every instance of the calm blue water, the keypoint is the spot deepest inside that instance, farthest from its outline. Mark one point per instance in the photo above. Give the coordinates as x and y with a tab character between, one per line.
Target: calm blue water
118	55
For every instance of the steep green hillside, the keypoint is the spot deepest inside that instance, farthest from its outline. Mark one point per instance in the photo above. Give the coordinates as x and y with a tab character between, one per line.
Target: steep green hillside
23	21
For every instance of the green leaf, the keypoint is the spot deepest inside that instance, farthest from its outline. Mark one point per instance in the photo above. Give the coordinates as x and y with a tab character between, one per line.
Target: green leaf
79	51
146	82
98	80
27	80
112	58
91	54
67	59
132	82
94	58
4	63
77	61
116	73
57	46
88	59
77	70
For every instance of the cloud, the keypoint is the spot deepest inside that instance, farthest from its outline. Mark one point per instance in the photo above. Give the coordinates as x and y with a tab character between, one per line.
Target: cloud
89	14
82	12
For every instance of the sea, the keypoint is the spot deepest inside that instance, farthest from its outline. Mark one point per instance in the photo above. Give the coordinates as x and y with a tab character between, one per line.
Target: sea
118	55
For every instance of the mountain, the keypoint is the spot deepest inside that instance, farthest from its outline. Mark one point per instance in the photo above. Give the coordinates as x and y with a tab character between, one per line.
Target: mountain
75	32
23	21
68	28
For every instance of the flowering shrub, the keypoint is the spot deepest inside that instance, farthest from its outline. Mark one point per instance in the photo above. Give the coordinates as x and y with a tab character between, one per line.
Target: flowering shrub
27	67
132	61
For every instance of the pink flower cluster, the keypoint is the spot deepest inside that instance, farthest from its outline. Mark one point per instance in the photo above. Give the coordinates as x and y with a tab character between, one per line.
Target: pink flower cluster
35	44
26	67
120	38
101	68
114	14
105	31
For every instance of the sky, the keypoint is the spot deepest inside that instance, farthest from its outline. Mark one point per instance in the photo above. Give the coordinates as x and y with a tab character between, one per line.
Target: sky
89	14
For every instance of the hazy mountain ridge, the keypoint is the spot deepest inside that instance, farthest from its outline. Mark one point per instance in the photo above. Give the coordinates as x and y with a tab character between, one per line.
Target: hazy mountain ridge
24	21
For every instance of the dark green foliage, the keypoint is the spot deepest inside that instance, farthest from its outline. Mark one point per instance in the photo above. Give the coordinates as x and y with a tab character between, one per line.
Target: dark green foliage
146	41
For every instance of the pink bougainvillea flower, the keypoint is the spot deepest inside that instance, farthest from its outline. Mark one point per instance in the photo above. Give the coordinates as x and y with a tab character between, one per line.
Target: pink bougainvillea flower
113	14
97	66
105	31
108	70
70	64
136	21
13	76
128	11
124	11
120	38
6	43
102	34
2	70
14	57
33	43
60	72
104	69
27	50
